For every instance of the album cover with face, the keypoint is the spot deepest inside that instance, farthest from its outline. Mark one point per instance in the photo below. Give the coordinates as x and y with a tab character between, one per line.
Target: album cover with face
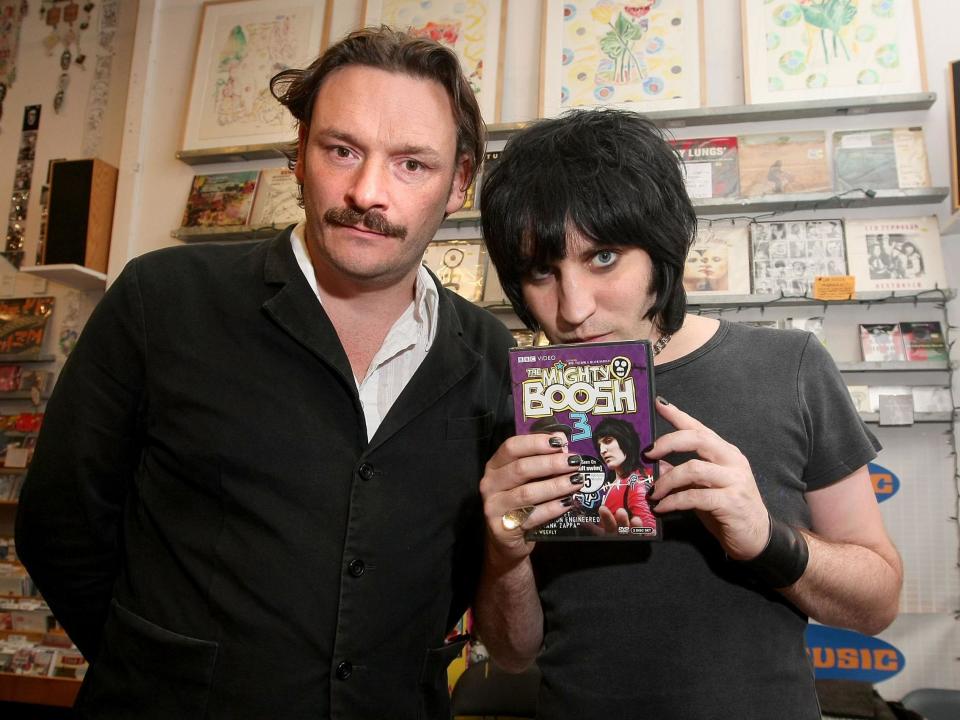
788	256
719	261
896	254
597	399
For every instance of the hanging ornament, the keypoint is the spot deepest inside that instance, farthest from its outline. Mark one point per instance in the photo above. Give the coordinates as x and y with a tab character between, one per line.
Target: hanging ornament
68	20
11	18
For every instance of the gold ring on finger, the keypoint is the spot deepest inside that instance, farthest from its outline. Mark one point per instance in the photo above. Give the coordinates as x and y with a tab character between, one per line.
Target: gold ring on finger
513	519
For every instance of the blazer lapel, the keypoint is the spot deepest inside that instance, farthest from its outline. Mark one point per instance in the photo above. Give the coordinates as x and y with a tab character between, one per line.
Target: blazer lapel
296	310
450	359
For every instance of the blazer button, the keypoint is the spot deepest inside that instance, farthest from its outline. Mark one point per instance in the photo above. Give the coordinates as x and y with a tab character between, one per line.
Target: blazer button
344	670
356	567
366	471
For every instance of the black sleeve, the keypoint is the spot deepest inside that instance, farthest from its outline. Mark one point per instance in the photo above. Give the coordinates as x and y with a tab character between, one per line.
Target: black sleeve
839	441
69	521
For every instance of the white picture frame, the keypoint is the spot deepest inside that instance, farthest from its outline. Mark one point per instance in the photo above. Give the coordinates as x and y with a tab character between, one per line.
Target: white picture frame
650	60
474	30
242	44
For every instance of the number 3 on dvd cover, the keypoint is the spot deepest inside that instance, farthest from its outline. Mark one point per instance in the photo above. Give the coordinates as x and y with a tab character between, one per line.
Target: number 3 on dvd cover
597	398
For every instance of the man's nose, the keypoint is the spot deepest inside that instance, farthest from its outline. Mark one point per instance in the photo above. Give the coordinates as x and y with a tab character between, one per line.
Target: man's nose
369	187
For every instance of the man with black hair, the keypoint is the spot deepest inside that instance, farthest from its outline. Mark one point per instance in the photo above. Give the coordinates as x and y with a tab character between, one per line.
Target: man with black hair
768	513
255	493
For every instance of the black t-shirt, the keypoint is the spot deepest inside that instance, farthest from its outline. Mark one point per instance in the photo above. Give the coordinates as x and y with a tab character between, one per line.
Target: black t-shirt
673	629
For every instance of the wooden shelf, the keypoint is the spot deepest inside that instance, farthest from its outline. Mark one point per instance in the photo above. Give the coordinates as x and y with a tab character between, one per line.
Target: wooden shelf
35	690
233	153
75	276
895	366
215	234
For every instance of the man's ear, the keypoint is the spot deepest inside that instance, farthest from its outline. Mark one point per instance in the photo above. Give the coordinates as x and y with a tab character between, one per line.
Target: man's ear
303	132
458	188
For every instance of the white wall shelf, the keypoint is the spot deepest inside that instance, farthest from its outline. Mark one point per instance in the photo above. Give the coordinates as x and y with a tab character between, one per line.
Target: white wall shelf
235	153
929	417
75	276
895	366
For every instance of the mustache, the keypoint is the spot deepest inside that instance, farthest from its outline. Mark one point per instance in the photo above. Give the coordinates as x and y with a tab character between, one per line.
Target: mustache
371	220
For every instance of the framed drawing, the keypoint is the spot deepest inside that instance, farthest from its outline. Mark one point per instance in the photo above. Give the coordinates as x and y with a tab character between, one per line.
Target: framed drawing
642	55
824	49
953	83
460	265
242	44
473	29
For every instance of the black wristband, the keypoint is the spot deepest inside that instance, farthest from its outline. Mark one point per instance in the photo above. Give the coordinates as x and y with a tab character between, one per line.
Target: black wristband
784	558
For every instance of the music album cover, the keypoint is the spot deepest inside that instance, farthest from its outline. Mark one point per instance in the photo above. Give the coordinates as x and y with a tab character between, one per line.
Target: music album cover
881	342
932	399
895	254
710	167
880	159
220	200
23	325
598	397
924	341
810	324
783	163
878	391
769	324
719	261
460	265
276	200
788	256
490	160
860	394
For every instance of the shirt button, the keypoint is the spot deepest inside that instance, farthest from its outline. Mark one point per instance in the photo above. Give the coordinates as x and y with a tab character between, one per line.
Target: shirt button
344	670
366	471
356	567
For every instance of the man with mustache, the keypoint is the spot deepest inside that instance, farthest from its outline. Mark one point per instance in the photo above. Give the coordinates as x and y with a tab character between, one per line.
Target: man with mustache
255	493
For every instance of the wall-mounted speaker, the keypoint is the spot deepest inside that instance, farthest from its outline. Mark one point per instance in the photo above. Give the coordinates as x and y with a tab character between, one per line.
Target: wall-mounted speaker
80	214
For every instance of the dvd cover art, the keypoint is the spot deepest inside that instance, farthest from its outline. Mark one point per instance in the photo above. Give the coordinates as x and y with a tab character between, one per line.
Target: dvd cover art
600	396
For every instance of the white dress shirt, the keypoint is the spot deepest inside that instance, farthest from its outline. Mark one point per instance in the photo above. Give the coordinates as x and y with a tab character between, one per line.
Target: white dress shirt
403	349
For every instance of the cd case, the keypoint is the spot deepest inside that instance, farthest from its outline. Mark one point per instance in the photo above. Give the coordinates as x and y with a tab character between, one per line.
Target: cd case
599	396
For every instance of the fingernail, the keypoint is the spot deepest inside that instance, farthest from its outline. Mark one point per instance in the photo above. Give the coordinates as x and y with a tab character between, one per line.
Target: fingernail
567	501
576	479
662	400
556	442
574	460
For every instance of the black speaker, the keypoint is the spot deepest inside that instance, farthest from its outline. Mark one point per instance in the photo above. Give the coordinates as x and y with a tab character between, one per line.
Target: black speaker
80	213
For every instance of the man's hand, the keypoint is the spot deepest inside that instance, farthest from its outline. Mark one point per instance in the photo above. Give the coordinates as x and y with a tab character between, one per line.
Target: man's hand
718	485
526	471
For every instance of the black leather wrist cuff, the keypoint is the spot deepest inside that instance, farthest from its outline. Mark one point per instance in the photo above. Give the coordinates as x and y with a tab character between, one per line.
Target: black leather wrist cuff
784	558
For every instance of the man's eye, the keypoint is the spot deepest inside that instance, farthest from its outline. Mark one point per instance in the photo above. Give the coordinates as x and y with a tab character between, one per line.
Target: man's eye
412	165
605	258
341	152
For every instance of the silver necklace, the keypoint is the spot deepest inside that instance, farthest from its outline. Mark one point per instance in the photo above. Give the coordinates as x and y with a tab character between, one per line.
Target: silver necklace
661	343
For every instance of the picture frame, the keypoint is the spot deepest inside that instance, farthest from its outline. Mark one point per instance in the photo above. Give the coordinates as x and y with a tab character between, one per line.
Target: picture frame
953	104
647	56
242	44
460	265
792	54
475	31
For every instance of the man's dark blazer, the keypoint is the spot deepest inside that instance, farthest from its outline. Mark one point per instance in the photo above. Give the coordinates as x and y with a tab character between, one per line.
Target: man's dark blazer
207	520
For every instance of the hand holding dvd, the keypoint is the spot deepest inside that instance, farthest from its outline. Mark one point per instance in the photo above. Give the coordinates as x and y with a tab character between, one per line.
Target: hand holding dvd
527	471
719	486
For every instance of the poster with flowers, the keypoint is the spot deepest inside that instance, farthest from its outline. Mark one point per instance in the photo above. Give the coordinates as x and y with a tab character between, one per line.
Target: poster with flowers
640	55
473	29
828	49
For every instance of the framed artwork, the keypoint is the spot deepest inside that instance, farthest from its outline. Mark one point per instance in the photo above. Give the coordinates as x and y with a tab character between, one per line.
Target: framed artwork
719	261
460	265
642	55
953	83
242	45
896	254
824	49
473	29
